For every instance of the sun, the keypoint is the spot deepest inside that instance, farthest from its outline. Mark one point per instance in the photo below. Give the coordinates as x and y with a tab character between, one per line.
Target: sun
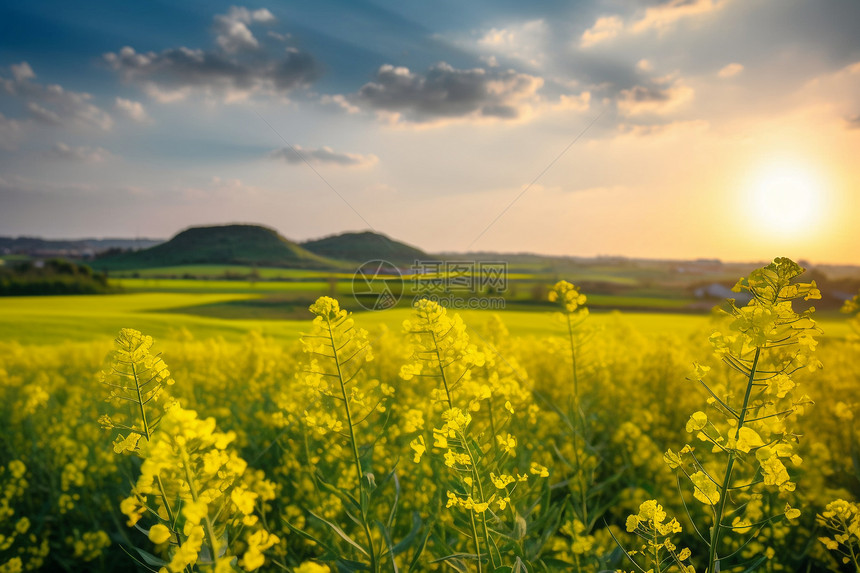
787	198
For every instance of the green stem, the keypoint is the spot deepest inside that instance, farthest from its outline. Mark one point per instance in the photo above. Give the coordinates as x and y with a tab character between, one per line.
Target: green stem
441	369
579	426
140	403
849	545
147	434
192	485
477	481
170	515
475	476
573	362
475	538
374	566
493	440
713	558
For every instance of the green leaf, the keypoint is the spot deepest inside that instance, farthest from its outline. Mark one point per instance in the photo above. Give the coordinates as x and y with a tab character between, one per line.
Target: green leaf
348	565
755	565
341	533
519	566
386	536
309	537
556	564
343	495
454	561
407	540
416	557
149	558
393	515
520	528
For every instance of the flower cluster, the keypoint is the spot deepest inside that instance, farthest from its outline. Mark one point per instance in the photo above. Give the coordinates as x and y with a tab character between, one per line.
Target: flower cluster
650	525
511	474
572	301
191	482
749	425
194	483
19	547
842	519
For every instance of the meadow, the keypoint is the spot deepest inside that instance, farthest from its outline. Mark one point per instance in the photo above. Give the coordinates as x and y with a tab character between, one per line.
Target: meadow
183	426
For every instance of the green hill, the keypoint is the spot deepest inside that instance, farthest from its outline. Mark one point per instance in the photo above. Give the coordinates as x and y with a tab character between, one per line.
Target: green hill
228	244
365	246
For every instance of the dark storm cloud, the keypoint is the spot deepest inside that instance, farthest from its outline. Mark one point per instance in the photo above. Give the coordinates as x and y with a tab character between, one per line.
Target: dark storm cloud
446	92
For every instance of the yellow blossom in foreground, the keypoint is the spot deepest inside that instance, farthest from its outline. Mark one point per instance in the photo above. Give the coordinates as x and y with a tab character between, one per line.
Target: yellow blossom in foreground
159	533
311	567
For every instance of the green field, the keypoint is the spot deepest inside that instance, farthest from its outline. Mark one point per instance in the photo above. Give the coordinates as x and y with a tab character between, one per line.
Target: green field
610	275
52	319
221	271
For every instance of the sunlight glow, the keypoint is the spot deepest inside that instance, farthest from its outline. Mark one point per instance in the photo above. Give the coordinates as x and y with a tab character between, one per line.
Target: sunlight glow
787	198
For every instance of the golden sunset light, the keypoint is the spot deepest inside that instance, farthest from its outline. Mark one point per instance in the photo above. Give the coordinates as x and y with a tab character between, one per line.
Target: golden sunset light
789	198
374	286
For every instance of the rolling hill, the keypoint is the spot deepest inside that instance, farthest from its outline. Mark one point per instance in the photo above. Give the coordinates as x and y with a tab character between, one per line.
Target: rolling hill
38	247
228	244
365	246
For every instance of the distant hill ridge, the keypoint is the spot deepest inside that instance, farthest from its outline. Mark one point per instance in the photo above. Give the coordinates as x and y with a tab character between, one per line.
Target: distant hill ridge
27	245
226	244
364	246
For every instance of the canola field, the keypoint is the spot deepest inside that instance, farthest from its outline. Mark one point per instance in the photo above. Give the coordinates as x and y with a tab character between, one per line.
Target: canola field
430	440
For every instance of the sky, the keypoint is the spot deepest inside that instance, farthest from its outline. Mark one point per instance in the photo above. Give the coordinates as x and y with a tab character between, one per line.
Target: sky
643	128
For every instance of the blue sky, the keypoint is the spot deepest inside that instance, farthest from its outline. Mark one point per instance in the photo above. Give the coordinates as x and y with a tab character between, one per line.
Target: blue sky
671	128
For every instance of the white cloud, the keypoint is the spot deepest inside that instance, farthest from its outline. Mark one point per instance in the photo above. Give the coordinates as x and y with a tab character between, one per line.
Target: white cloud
444	93
43	115
10	132
730	70
840	90
232	31
228	73
657	98
661	18
644	66
665	15
50	103
22	72
340	101
322	155
278	37
581	102
133	110
491	61
663	130
81	154
175	73
605	28
524	42
220	188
